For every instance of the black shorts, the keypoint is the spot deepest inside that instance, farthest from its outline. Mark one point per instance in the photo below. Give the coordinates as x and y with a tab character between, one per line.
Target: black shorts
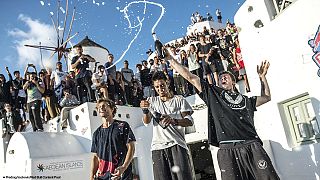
173	163
245	161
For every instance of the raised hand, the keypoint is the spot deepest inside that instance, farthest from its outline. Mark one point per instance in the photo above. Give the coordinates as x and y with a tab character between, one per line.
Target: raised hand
144	104
263	68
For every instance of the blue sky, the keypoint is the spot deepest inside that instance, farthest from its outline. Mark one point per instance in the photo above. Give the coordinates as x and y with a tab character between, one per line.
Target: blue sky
23	21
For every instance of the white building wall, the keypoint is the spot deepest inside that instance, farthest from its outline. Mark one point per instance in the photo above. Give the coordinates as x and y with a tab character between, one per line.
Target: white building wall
284	42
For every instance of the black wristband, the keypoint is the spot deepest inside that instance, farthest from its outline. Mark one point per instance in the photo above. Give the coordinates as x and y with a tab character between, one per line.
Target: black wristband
145	111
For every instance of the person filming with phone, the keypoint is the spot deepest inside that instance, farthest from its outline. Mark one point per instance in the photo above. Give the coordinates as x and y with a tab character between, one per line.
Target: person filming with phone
34	95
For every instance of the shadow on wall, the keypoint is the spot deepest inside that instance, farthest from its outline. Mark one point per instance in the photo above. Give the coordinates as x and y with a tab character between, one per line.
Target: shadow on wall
302	162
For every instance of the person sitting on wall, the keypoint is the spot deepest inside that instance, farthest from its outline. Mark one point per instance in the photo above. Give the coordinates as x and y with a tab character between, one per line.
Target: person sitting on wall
68	102
100	81
11	122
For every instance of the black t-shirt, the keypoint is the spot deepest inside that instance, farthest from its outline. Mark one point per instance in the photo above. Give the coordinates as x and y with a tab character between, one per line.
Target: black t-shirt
111	71
204	49
145	77
224	44
5	92
81	69
230	115
110	144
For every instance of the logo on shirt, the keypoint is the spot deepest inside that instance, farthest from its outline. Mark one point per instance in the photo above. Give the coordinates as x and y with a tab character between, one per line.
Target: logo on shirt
234	101
262	164
315	45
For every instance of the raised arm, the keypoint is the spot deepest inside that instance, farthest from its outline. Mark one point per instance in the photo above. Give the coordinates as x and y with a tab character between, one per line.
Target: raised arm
185	73
265	91
9	74
144	104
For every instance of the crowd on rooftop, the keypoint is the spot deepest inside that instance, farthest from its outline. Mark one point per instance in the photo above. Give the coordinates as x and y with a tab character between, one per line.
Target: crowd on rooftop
37	96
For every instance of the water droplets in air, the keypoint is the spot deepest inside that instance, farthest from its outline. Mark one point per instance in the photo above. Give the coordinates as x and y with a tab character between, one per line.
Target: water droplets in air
42	3
51	13
175	169
62	10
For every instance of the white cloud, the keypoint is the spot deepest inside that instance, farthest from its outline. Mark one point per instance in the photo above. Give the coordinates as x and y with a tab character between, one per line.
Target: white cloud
36	32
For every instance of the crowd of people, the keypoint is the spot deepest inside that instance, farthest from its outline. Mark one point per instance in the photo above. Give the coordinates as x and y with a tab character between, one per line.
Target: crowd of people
42	95
197	17
207	62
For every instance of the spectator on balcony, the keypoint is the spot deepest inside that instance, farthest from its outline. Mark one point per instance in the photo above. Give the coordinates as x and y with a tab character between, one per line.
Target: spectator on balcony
128	76
34	96
57	78
20	94
205	31
83	76
218	14
179	83
145	78
51	100
4	91
193	62
203	50
238	59
68	102
100	80
198	17
11	122
225	44
137	75
120	98
209	17
193	19
156	65
137	93
111	74
71	83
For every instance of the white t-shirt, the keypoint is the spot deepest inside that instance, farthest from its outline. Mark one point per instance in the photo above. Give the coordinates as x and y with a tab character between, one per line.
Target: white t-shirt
172	135
97	77
192	62
58	76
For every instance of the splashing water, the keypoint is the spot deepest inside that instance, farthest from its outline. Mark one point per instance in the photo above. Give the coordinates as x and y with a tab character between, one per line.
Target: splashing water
175	169
62	10
42	3
137	27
